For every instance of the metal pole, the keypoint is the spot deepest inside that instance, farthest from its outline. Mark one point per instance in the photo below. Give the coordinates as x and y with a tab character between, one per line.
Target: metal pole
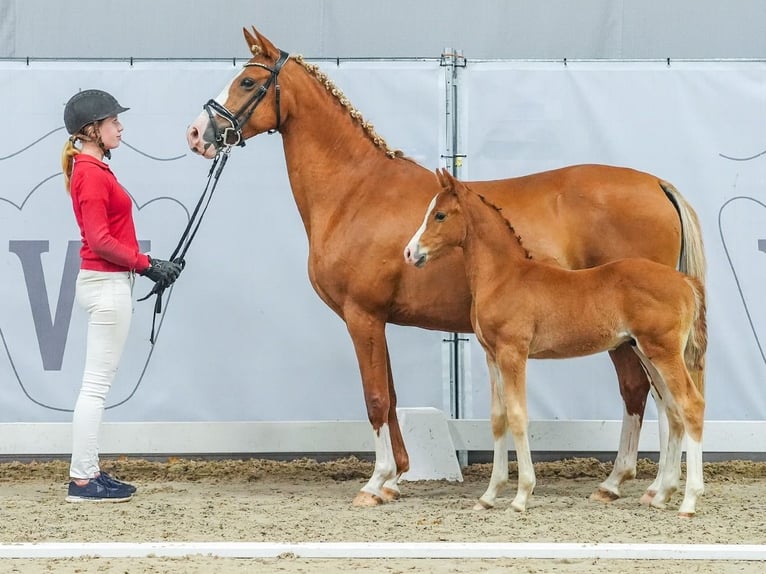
452	60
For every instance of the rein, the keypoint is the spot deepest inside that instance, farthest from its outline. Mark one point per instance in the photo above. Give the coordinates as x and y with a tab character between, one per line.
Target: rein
179	253
224	140
232	135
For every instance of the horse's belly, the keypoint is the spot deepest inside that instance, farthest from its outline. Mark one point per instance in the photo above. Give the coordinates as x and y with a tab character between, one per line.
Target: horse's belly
569	347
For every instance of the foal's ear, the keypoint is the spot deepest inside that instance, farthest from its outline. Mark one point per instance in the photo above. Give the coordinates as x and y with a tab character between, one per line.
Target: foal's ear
442	178
446	179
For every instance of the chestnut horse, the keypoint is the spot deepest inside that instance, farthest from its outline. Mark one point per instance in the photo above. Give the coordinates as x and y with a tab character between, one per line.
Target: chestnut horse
356	195
523	308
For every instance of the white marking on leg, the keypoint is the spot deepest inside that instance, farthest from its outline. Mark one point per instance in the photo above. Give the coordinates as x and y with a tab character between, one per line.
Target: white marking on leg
663	431
385	465
499	476
625	463
393	484
695	482
527	479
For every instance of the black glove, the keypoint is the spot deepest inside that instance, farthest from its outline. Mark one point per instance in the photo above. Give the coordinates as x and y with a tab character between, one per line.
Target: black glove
161	271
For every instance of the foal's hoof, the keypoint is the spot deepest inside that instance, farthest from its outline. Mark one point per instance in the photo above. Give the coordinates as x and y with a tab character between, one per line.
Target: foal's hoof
389	494
518	507
604	495
648	497
482	505
685	515
366	499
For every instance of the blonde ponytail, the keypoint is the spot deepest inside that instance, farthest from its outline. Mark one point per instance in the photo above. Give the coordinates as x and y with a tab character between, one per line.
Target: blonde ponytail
67	161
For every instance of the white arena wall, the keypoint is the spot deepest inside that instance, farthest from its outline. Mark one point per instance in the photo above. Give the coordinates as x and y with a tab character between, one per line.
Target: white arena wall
249	360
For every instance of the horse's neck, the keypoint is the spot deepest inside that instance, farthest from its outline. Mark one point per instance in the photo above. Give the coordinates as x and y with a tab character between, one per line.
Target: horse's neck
327	152
490	243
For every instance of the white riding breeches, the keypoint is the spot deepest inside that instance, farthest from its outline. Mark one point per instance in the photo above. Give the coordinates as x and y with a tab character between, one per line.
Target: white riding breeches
107	298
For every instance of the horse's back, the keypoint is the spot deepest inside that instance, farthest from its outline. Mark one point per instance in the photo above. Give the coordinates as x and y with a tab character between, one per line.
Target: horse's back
586	215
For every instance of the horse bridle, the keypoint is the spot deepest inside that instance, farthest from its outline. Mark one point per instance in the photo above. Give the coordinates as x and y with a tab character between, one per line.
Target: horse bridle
224	141
232	135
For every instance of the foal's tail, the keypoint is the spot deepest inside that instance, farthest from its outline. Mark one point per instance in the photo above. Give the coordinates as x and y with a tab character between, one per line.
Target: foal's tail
692	262
696	345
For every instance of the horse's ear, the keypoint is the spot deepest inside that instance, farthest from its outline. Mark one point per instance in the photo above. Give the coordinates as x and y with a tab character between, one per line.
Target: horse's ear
252	43
265	45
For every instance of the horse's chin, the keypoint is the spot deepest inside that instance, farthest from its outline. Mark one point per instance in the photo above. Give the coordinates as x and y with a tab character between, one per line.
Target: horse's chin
208	151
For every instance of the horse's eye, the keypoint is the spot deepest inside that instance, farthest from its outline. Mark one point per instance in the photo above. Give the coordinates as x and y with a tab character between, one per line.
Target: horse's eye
439	216
247	83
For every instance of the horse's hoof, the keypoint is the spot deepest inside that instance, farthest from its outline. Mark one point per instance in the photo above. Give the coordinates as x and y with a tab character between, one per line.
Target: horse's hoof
518	507
648	497
389	494
366	499
482	505
685	515
604	495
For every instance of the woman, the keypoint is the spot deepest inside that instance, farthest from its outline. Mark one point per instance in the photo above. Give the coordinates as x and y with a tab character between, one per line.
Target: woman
110	259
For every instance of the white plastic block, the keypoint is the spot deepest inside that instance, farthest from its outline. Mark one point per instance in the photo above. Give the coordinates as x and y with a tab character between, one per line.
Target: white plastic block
429	443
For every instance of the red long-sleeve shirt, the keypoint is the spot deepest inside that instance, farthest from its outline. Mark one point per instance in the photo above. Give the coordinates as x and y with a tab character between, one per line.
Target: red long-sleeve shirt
104	213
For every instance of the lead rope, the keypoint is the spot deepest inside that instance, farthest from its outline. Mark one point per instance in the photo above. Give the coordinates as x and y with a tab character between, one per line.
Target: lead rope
179	253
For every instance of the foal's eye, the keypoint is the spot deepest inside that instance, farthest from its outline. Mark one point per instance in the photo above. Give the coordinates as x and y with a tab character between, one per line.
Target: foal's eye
247	83
439	216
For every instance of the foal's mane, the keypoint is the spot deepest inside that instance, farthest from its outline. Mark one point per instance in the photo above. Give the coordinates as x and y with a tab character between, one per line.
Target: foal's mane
499	210
353	112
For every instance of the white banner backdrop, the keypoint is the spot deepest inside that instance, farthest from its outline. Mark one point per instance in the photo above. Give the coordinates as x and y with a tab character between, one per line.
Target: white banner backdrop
244	338
701	126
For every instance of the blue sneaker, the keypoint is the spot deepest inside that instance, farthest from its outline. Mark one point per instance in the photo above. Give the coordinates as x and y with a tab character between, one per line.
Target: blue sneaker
109	479
97	490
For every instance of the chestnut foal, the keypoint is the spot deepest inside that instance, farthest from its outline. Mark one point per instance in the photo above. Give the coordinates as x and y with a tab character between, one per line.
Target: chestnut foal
523	308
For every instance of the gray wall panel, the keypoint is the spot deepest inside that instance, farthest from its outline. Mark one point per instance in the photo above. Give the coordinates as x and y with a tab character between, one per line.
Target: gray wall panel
705	29
397	28
7	27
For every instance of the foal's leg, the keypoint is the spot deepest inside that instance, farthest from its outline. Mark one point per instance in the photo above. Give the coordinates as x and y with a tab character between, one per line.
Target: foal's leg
669	472
688	406
499	421
512	363
662	426
369	339
685	408
634	387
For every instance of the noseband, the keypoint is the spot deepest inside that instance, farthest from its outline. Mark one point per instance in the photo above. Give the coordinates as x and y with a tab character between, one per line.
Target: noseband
232	135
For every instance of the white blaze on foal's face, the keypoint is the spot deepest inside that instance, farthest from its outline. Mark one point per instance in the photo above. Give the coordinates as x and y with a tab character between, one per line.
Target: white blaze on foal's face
412	253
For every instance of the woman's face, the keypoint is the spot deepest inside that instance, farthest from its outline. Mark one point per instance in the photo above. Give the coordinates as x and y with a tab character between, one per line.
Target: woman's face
111	132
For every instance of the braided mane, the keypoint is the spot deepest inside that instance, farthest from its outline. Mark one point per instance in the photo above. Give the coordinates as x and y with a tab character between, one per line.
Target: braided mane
344	101
508	223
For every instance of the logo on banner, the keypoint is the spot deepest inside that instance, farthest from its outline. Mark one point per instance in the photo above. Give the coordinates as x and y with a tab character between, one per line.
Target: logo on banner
742	227
42	331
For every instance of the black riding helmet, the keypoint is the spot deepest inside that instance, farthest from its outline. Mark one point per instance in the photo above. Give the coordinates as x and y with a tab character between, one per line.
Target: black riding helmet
89	106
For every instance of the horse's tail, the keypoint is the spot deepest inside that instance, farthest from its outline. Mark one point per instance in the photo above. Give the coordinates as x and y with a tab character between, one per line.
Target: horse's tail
696	344
692	262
